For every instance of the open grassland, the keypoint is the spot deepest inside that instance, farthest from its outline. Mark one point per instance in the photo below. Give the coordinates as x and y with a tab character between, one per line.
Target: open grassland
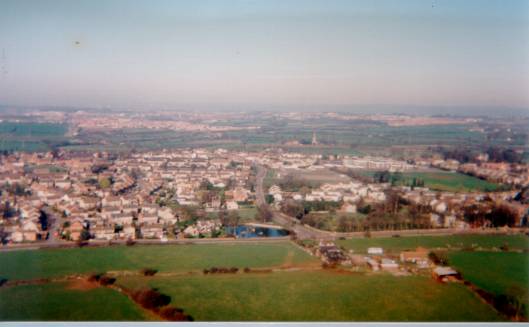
318	296
57	301
397	244
495	272
31	264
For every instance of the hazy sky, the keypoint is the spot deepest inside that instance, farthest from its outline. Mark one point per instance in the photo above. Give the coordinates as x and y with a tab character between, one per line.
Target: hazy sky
255	54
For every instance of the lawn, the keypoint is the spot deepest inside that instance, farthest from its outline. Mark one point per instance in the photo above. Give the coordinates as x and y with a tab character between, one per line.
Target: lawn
56	301
496	272
397	244
318	296
29	264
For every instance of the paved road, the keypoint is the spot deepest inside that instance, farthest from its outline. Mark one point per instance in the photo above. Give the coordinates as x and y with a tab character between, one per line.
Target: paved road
302	232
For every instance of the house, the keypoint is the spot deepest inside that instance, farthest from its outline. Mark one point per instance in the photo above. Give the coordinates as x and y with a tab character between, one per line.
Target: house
30	231
274	189
76	228
373	264
419	256
152	231
148	218
348	208
121	218
128	232
166	215
232	205
386	263
103	232
240	194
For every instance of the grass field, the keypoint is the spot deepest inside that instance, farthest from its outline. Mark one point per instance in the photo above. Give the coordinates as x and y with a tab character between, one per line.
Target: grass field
47	263
397	244
27	136
318	296
510	269
508	274
56	301
445	181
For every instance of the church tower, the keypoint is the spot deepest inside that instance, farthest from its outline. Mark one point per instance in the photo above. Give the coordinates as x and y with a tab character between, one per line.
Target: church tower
314	140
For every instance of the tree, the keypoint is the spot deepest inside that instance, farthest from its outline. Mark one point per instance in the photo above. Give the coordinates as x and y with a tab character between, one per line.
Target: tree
105	183
233	218
382	176
264	214
502	215
293	209
85	235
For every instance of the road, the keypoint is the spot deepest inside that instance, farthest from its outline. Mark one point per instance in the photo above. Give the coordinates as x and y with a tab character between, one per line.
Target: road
292	224
54	224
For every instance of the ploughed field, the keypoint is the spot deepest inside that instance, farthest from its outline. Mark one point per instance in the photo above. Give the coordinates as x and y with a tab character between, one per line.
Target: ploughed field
302	293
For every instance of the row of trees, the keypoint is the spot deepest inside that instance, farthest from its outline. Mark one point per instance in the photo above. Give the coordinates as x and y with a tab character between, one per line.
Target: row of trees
465	155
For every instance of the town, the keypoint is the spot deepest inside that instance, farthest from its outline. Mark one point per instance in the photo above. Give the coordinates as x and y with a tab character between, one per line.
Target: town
169	194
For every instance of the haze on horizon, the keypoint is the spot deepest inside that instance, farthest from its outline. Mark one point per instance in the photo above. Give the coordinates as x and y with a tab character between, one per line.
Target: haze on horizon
301	55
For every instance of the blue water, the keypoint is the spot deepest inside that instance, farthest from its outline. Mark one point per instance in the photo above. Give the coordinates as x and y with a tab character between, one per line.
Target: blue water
243	231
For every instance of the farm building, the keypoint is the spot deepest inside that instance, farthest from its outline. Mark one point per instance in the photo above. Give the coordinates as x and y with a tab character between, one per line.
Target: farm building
445	274
375	251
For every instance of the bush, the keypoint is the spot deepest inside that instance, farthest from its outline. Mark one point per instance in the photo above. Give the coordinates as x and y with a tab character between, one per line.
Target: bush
247	270
94	277
174	314
151	298
106	280
439	258
148	271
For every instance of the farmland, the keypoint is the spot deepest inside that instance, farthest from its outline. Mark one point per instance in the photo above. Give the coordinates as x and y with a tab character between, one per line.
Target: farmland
509	273
397	244
174	258
445	181
29	136
57	301
306	293
318	296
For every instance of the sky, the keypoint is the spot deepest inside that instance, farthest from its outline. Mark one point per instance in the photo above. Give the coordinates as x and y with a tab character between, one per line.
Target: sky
269	54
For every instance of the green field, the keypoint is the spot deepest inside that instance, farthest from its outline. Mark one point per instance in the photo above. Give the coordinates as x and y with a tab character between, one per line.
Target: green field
56	301
28	136
445	181
397	244
318	296
31	264
508	275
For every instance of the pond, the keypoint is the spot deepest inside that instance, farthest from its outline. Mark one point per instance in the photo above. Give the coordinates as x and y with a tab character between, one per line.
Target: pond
244	231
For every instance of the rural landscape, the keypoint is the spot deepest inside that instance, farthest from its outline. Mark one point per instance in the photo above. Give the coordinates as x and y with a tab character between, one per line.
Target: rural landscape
264	161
